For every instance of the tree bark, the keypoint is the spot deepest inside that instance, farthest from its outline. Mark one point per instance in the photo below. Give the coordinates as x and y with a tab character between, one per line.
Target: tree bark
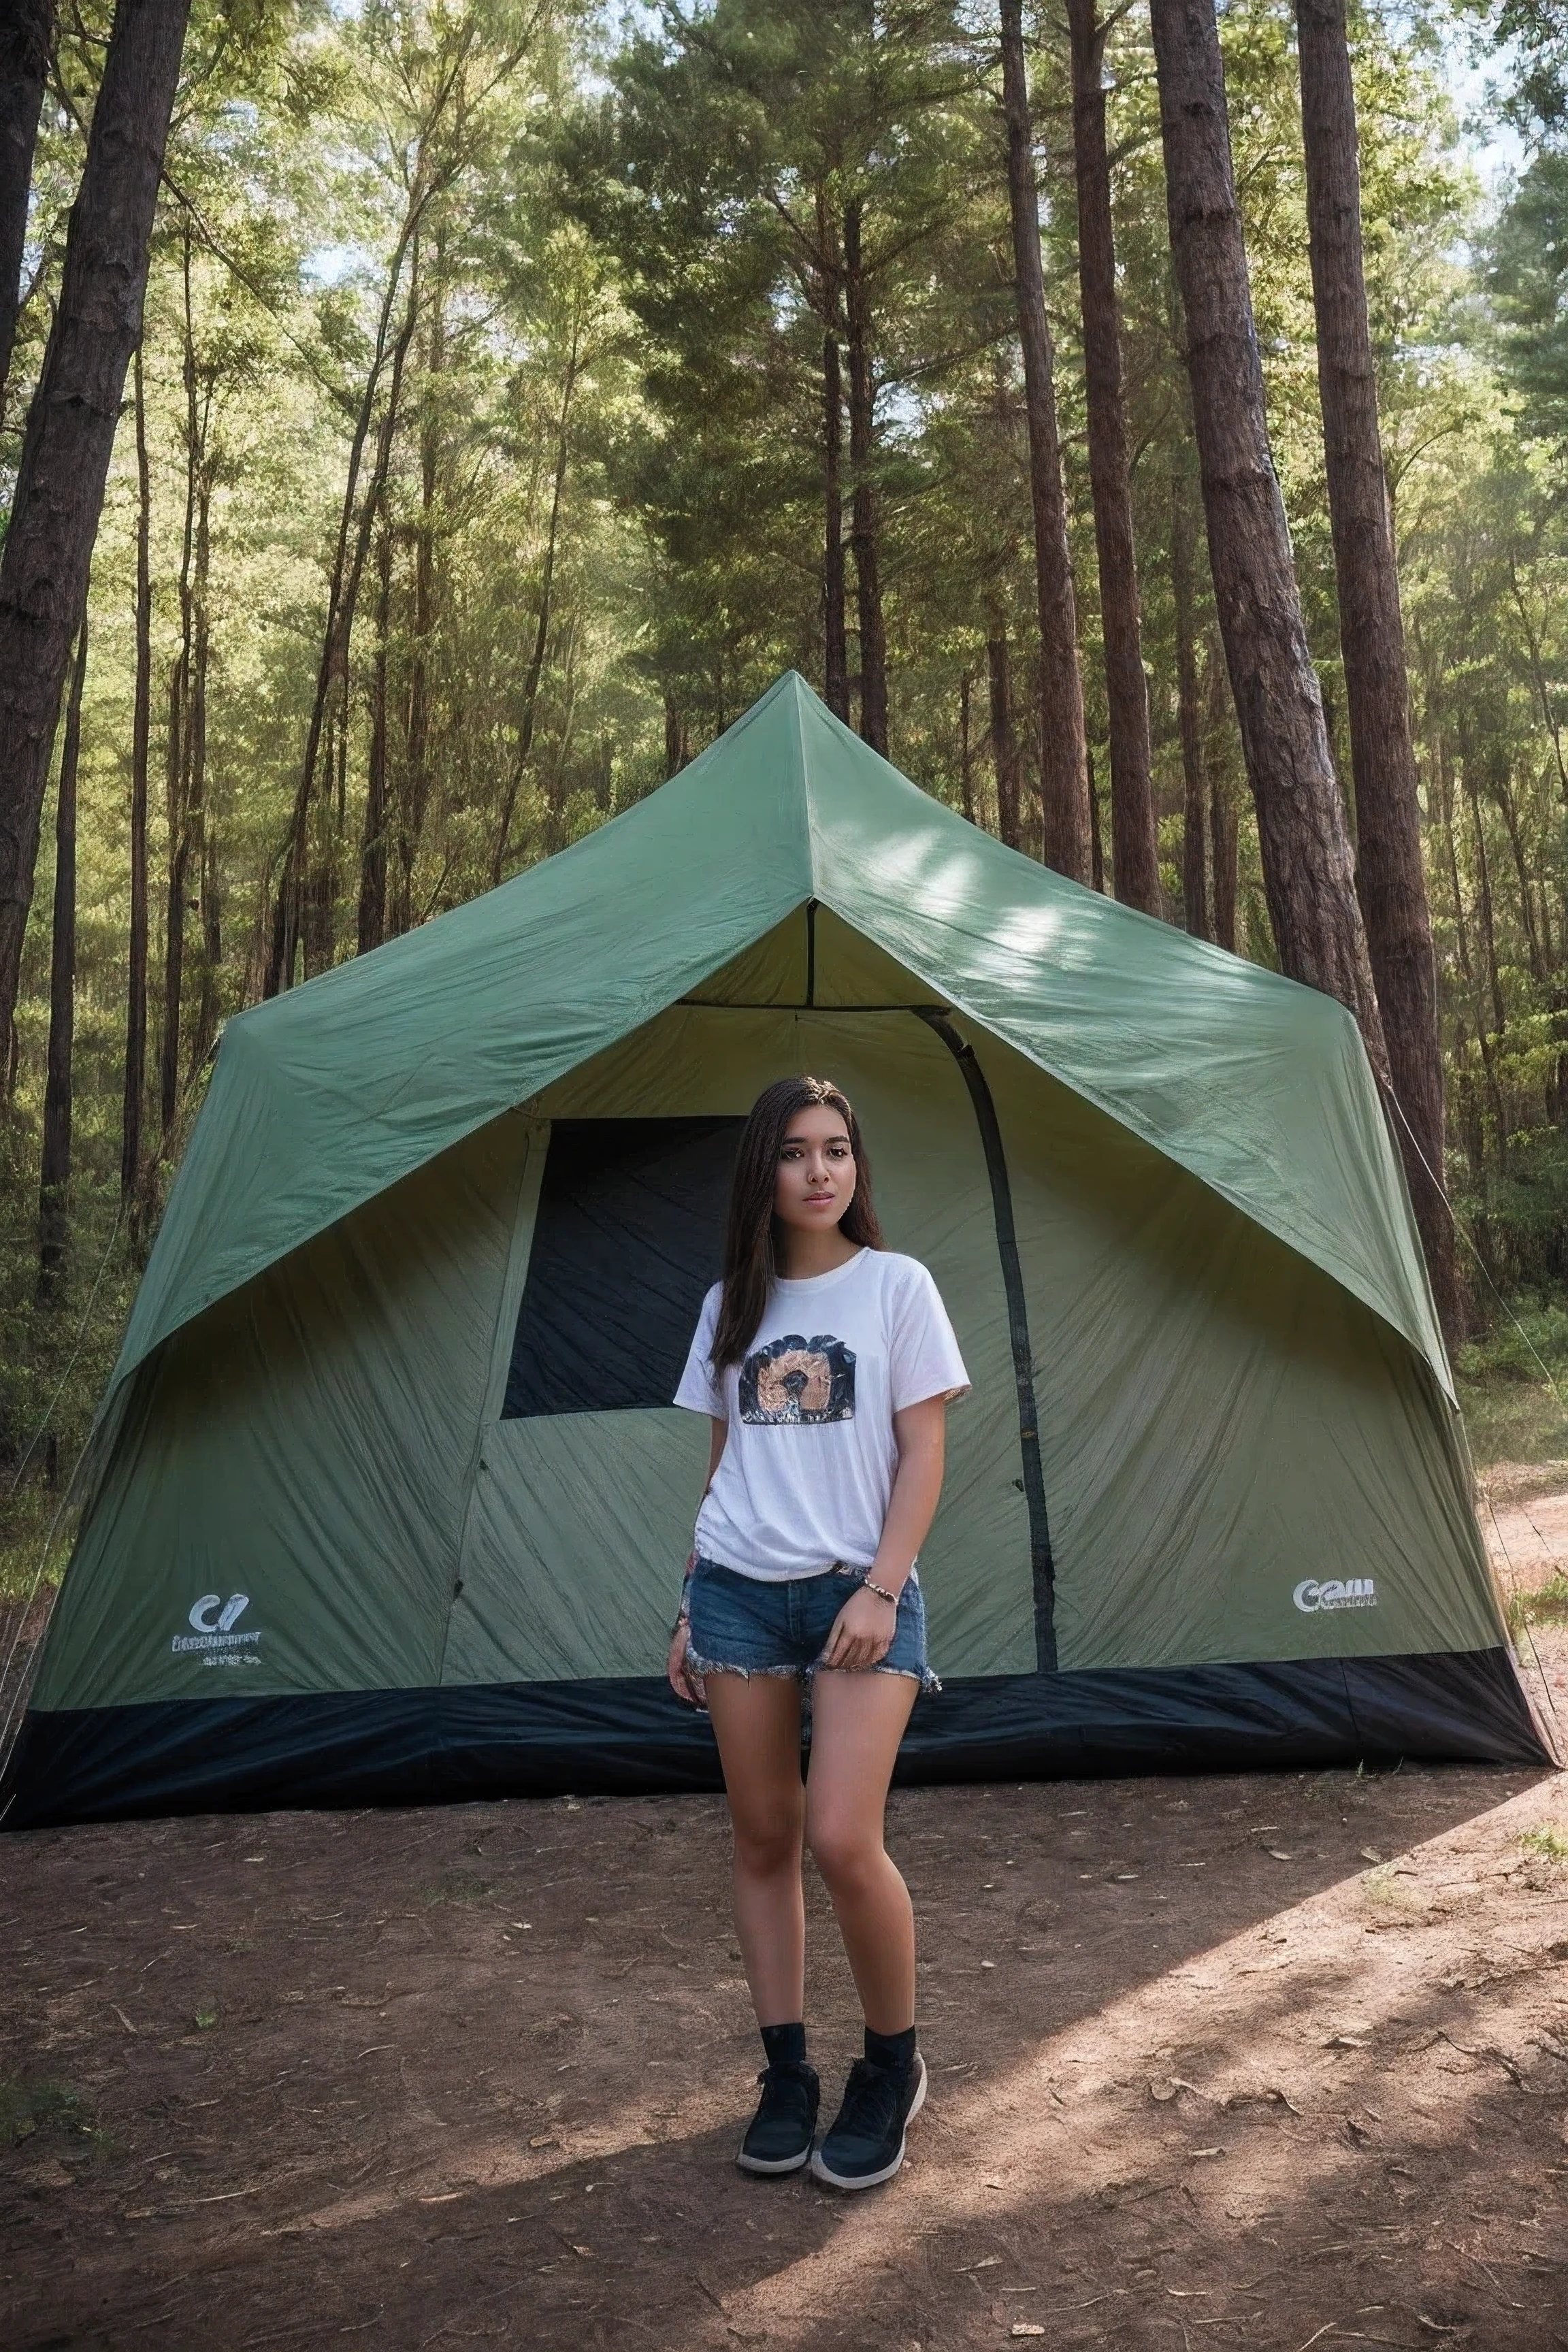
204	848
966	753
535	673
1508	809
1003	741
1390	875
863	514
71	433
174	908
179	770
824	288
1096	835
1308	870
27	34
348	562
1064	766
836	648
417	735
371	922
677	749
141	739
53	1178
1134	845
1225	823
1195	890
1484	902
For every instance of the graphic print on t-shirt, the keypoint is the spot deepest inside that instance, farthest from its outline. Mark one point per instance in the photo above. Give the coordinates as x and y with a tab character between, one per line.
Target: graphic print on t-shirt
799	1381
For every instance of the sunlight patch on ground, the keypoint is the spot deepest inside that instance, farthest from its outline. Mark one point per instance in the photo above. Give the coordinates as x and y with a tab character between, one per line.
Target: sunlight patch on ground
1233	2038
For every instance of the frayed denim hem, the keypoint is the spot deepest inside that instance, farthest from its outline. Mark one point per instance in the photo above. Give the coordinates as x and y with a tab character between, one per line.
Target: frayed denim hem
701	1665
930	1683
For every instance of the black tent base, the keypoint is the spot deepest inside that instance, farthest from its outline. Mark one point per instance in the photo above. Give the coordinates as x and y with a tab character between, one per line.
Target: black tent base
632	1737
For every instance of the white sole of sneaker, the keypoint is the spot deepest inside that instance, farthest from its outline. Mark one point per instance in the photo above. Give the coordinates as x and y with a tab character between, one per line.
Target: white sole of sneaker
874	2179
773	2163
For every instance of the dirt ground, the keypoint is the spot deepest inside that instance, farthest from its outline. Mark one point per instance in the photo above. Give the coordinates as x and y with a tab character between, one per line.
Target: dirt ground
1270	2061
1524	1519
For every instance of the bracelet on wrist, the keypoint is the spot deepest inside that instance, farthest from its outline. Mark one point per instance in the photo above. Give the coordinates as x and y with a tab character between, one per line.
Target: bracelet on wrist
870	1584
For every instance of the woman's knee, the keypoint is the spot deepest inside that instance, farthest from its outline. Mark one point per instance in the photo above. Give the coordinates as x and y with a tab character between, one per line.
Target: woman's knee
768	1842
847	1850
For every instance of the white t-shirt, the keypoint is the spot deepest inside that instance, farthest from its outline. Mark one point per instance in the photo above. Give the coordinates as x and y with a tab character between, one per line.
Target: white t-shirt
807	1470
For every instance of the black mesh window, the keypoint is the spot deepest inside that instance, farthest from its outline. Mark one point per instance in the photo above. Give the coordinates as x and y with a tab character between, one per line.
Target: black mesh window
630	1220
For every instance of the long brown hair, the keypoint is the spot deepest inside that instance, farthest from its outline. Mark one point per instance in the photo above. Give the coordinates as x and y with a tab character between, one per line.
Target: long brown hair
751	1256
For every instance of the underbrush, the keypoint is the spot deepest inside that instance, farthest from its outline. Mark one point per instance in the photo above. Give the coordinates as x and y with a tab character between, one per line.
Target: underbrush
25	1521
1513	1385
1546	1605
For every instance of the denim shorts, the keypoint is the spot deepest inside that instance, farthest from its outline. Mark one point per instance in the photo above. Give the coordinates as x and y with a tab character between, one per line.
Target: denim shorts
756	1625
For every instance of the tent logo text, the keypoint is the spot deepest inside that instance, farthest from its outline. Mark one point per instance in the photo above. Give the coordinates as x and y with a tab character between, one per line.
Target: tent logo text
212	1620
1358	1592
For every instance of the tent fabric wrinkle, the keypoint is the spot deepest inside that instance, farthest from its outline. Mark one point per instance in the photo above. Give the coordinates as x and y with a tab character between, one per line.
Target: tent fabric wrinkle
328	1094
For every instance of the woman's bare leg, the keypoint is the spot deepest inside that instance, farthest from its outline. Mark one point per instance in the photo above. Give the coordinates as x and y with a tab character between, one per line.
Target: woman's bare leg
858	1721
757	1725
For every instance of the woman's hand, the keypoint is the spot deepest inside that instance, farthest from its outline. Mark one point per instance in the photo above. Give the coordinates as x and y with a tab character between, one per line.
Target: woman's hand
687	1685
862	1632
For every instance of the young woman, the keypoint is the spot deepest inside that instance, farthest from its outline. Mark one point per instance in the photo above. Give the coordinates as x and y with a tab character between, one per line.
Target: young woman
825	1363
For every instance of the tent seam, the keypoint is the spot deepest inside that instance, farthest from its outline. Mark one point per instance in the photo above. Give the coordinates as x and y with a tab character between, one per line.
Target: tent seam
1120	1116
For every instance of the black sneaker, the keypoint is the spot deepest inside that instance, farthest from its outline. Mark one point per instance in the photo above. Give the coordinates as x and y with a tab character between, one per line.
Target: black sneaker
779	2136
866	2144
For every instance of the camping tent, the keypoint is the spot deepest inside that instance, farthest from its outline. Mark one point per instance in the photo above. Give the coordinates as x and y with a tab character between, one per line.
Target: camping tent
388	1499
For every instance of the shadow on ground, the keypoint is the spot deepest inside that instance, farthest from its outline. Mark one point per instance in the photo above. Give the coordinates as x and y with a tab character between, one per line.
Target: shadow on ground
1259	2062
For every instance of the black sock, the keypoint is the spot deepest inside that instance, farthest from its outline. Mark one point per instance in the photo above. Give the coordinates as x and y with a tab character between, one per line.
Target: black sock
786	2044
896	2050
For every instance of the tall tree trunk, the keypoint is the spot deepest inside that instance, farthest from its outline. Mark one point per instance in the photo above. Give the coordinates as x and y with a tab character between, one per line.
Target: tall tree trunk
348	563
141	742
1064	765
175	774
1508	809
535	672
1308	870
836	648
1096	835
1003	741
1134	845
416	735
1224	821
26	32
1484	903
179	768
676	746
1390	875
1448	834
1194	891
966	753
54	1179
827	287
204	847
71	433
1488	1039
371	925
863	513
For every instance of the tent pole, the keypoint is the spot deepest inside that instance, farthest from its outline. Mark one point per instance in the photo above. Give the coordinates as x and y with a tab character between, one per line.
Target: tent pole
1042	1564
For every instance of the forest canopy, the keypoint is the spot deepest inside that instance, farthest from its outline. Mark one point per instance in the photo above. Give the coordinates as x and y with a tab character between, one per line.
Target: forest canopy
522	385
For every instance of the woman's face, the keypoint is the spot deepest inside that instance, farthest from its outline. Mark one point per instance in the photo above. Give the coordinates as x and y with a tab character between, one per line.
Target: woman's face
816	1180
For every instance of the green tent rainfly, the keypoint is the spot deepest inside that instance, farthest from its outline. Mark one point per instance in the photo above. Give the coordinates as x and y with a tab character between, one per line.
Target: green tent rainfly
387	1496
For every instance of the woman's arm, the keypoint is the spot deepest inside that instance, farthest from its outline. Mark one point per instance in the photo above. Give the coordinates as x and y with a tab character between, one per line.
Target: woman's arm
682	1681
864	1628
